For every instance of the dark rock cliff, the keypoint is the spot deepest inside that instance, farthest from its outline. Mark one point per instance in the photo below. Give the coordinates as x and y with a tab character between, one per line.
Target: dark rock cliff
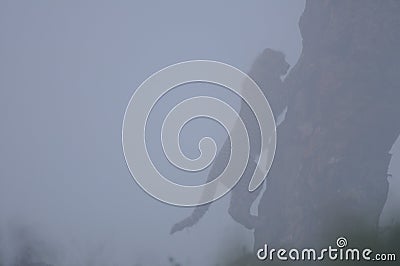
329	177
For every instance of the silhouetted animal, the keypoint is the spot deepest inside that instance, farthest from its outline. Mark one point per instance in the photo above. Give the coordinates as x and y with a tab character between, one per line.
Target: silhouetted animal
266	71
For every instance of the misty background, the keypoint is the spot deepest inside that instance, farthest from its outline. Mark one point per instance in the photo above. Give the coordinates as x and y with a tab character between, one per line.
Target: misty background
67	72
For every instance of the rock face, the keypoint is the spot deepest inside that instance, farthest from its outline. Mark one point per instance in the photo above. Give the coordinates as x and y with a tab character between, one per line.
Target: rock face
329	177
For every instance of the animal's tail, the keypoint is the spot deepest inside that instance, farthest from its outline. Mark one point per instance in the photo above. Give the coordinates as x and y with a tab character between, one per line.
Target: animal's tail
199	211
196	215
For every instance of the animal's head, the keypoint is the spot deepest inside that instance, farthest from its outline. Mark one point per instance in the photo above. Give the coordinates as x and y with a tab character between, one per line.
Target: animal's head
271	64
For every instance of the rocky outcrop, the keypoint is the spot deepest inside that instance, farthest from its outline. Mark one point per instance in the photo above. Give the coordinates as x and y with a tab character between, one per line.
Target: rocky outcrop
329	177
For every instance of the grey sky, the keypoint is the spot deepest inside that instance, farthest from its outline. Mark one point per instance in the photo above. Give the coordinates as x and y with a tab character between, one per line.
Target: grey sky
67	72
